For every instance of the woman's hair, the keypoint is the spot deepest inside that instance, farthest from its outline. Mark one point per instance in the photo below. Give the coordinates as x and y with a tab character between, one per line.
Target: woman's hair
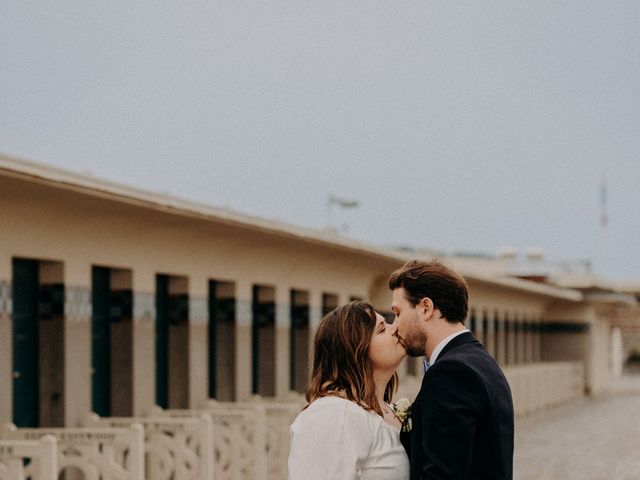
341	363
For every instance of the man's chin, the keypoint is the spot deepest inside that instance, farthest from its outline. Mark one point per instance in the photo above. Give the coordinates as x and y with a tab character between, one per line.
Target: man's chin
410	349
414	352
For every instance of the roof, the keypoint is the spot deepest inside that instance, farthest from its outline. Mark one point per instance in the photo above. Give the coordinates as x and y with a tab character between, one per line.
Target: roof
543	289
628	286
582	281
613	298
89	185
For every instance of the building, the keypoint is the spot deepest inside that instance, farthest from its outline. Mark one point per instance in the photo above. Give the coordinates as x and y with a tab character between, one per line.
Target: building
113	299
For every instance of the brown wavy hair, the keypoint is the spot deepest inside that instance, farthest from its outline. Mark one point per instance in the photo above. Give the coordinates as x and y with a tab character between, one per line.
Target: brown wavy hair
341	363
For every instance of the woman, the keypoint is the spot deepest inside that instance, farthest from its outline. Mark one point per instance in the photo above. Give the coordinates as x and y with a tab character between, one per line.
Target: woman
348	430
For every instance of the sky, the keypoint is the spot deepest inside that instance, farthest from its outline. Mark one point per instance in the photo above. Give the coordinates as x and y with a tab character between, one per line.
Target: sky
458	126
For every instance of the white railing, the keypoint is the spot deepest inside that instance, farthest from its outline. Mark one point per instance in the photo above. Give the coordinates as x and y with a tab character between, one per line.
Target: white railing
251	439
239	439
231	440
42	455
176	448
540	385
98	453
534	386
280	413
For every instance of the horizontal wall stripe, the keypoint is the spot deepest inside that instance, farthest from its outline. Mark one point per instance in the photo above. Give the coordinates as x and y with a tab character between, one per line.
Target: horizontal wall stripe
564	327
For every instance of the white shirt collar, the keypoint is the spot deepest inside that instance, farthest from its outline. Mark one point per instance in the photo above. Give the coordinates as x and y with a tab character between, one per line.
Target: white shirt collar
442	344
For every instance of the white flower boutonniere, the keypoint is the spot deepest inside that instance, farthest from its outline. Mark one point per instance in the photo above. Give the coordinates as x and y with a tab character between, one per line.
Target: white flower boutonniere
402	410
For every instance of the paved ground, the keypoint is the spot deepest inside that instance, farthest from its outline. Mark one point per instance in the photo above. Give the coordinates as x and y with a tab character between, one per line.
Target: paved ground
592	439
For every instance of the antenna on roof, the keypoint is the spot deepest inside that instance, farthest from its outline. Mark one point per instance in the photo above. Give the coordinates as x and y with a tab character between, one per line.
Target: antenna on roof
333	201
604	217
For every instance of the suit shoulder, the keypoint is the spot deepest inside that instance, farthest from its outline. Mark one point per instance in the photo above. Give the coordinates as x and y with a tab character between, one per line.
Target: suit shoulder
474	356
476	361
452	366
470	368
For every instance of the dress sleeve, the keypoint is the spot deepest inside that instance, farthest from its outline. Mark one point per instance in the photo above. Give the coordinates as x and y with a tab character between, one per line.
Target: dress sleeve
449	420
330	443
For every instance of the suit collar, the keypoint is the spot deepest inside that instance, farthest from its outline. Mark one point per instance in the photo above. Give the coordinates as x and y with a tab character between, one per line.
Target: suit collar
461	339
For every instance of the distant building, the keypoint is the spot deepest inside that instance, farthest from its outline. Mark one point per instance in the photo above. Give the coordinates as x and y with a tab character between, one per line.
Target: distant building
114	299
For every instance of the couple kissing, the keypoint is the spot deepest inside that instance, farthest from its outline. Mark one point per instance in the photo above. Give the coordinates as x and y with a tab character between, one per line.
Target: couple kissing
461	423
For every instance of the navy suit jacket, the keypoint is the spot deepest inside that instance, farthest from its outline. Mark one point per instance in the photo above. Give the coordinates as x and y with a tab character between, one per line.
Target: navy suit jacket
462	419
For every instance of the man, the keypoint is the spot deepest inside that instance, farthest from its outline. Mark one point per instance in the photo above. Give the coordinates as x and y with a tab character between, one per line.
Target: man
462	418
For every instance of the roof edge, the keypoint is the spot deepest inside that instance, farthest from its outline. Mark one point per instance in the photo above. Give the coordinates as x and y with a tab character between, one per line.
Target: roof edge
97	187
93	186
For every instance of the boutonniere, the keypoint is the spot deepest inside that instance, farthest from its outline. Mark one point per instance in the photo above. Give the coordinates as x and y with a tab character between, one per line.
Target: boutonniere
402	410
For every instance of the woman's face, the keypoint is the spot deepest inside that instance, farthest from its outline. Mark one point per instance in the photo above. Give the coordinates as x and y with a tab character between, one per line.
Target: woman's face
385	351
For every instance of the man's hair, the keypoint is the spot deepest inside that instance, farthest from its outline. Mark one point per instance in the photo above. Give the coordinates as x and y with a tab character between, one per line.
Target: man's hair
445	287
341	363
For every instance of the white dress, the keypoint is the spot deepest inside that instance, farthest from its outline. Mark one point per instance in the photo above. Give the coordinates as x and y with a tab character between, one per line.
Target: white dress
335	439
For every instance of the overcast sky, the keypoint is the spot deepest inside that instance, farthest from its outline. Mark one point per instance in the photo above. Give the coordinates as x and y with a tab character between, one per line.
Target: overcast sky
458	125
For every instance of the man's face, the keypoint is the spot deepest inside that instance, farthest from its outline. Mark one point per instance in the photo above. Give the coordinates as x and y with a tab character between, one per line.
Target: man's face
408	324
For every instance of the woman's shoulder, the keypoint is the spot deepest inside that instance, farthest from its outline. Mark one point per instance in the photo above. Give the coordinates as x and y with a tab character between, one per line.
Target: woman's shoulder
331	438
338	412
334	402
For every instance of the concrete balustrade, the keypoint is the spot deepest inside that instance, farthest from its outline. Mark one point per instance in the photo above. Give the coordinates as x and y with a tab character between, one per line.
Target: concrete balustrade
177	448
534	386
98	453
225	440
239	441
541	385
251	438
279	414
41	454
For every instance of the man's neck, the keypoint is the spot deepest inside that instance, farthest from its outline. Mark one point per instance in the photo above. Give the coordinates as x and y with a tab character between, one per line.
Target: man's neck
442	332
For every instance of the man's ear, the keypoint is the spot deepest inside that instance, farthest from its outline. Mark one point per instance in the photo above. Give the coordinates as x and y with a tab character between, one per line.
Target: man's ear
425	308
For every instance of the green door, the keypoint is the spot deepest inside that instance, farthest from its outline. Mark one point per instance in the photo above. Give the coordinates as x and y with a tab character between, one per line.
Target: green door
263	320
101	341
255	339
26	394
298	345
213	338
162	341
222	314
